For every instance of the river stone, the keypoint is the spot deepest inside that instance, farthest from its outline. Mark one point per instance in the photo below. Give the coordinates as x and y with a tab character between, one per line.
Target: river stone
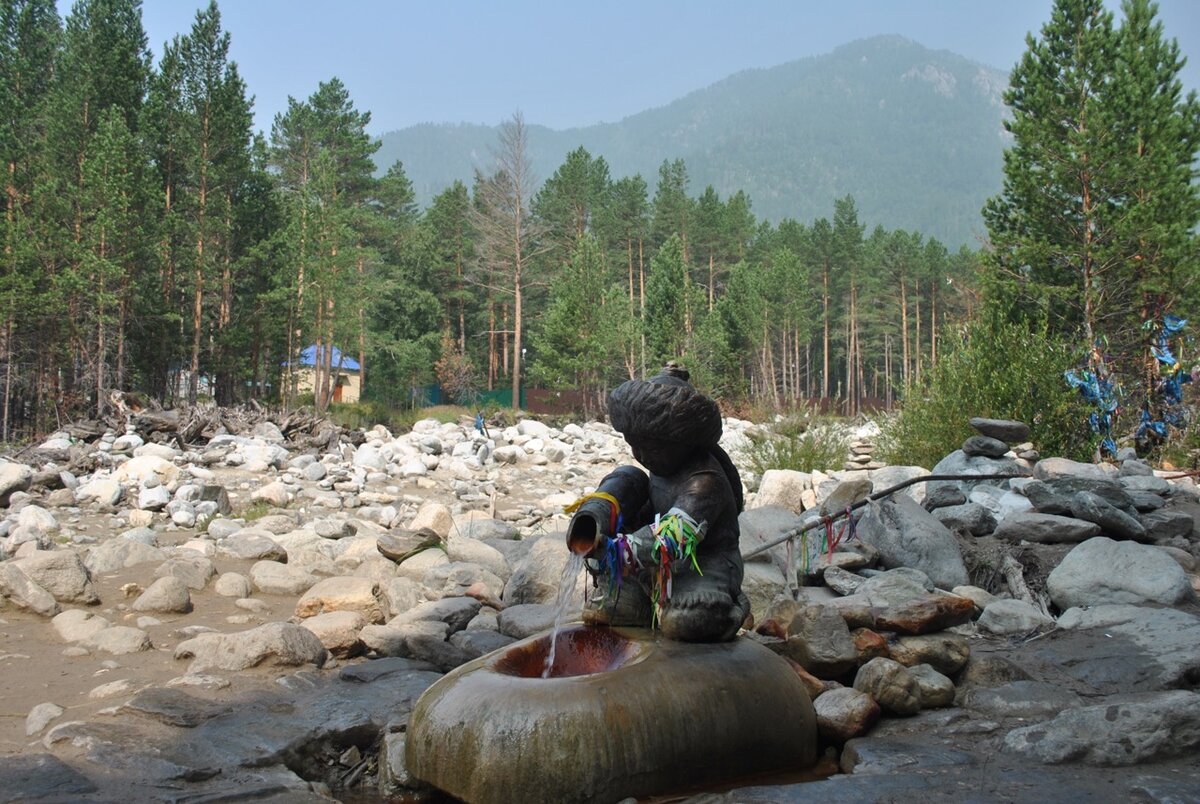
970	518
845	495
251	544
1139	728
417	565
475	527
527	619
195	571
819	641
168	594
1048	468
891	588
959	463
764	524
223	528
270	645
926	614
103	491
232	584
455	612
1044	528
338	632
891	685
985	446
13	477
841	581
907	535
1007	430
1112	521
343	593
436	517
276	524
888	476
460	548
40	716
1020	698
1012	617
458	577
945	652
73	625
943	496
1165	525
980	597
118	640
401	594
25	593
845	713
153	499
475	643
275	493
1101	570
934	689
62	574
436	650
273	578
334	529
1148	482
536	578
783	488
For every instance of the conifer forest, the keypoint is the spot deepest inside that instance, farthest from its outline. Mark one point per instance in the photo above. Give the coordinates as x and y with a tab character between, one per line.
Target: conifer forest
154	243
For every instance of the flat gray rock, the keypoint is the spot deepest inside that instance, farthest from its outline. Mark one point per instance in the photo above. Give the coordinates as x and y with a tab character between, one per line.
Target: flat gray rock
1041	528
1139	728
1027	699
906	535
1008	430
1101	570
1113	521
41	777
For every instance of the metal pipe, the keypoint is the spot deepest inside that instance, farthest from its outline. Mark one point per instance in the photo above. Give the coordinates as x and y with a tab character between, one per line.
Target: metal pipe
816	523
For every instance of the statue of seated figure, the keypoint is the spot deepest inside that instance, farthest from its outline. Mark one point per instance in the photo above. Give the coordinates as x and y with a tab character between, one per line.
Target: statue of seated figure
663	547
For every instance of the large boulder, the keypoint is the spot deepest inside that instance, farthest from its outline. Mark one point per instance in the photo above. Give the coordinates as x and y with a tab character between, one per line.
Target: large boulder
906	535
270	645
1102	570
62	574
25	593
13	477
344	593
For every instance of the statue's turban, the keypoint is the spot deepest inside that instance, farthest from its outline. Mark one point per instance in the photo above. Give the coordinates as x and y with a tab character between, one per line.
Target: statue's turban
666	408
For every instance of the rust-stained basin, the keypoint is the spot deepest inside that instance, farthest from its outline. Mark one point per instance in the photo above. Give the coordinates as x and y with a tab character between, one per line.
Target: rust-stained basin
624	712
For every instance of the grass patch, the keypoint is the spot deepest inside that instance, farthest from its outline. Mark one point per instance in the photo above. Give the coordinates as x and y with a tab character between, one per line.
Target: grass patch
256	510
801	443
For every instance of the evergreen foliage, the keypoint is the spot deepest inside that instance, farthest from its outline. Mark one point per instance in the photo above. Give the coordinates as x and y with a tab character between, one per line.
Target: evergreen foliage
995	370
1094	232
152	243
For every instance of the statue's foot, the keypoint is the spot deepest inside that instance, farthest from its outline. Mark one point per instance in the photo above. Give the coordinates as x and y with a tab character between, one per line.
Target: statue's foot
704	616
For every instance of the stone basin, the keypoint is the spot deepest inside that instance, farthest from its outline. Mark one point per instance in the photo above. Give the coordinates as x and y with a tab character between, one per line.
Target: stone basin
625	712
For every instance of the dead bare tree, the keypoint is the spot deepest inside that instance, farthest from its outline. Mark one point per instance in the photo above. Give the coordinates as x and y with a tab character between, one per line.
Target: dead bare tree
508	233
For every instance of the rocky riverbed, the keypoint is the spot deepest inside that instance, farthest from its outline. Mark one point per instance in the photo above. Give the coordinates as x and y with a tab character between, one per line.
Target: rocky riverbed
254	617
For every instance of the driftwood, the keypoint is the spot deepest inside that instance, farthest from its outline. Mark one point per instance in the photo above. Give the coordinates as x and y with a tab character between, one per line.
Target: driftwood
185	427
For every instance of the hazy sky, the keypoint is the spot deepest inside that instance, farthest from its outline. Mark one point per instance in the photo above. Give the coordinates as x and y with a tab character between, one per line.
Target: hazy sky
565	63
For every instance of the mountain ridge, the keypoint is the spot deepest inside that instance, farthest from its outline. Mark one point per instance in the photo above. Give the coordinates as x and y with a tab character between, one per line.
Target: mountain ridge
915	135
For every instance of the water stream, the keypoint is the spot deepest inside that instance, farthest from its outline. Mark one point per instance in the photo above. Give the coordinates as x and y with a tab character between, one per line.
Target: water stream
566	590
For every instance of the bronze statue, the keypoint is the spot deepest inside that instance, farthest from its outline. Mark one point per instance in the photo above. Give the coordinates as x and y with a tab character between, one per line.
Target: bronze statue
663	548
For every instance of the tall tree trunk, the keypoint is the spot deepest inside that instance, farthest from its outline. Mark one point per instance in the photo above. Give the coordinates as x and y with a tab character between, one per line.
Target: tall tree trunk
825	320
904	329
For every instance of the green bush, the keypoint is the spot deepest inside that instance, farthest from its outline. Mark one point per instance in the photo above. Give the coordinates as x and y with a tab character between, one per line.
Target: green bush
998	371
800	443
